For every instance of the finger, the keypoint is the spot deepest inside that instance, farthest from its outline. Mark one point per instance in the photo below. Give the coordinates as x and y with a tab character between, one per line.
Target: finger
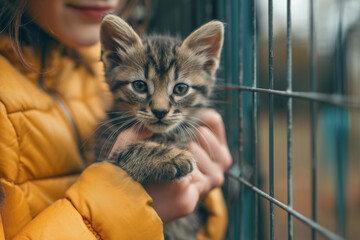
213	120
217	151
174	199
207	167
130	135
200	181
133	134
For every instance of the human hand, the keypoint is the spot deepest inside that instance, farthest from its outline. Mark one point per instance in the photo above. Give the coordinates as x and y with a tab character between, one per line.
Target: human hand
178	198
211	150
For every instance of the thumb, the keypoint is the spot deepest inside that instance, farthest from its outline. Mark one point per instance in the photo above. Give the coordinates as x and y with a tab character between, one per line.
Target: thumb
130	135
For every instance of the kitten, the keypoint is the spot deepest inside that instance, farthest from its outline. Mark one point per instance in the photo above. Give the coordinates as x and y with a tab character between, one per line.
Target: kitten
161	84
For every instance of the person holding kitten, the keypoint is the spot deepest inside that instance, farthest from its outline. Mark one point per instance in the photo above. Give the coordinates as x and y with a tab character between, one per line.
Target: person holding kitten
52	97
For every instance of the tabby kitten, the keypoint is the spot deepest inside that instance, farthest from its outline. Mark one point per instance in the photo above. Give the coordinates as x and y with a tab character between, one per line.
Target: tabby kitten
161	84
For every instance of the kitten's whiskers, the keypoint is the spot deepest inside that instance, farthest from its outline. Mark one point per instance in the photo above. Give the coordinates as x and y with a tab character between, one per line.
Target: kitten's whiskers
102	123
123	126
195	126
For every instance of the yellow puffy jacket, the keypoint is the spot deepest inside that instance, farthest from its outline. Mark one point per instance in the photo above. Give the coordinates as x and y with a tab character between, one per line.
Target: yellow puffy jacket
51	191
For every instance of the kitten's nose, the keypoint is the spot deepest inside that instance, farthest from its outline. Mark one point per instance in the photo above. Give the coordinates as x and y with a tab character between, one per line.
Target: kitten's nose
159	113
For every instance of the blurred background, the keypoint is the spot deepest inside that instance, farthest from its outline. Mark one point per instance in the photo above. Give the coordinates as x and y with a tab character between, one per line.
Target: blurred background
325	126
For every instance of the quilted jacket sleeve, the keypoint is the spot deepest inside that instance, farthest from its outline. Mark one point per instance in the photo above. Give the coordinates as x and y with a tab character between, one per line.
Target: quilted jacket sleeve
105	203
217	220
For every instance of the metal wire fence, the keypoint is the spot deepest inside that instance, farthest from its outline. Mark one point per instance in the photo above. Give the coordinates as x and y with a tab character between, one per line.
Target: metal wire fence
246	89
242	19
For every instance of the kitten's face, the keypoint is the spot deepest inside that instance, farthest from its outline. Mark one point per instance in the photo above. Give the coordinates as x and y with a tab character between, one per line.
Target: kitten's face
160	81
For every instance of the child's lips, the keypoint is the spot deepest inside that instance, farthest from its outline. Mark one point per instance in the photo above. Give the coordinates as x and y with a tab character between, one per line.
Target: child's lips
92	12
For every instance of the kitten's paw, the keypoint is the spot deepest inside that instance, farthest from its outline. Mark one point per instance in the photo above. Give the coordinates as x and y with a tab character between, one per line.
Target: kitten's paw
178	166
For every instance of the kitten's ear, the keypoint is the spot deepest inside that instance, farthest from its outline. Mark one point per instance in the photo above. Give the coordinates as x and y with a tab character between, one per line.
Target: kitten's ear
207	41
117	39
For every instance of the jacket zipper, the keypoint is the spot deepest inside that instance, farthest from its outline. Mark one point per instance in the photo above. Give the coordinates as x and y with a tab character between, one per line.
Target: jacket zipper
63	107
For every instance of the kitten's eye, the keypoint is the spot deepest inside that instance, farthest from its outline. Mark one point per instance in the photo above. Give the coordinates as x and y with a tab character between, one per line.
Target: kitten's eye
139	86
181	89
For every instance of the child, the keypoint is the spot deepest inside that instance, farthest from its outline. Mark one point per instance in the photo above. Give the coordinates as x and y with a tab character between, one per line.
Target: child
51	100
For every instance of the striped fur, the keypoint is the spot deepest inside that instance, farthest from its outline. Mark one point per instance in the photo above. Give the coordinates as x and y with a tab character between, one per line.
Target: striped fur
159	83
